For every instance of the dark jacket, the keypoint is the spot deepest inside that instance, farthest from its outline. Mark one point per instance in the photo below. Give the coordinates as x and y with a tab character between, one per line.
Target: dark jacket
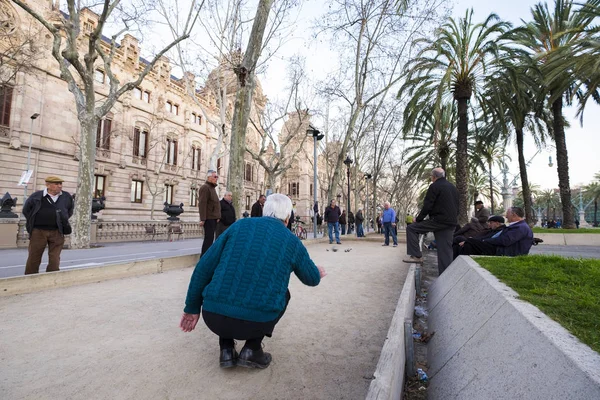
64	209
441	203
290	220
350	217
332	215
342	219
515	240
359	217
227	213
471	229
488	233
256	209
209	205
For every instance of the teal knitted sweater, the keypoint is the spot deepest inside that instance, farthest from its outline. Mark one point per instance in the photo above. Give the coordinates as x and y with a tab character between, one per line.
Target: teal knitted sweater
246	272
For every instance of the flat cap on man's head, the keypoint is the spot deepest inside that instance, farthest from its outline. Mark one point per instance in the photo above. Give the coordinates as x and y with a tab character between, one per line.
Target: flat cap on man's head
496	218
478	202
54	179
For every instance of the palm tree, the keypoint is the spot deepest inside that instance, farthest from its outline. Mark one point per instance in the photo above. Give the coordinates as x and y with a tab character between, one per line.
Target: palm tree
551	37
593	190
432	138
455	63
550	199
511	101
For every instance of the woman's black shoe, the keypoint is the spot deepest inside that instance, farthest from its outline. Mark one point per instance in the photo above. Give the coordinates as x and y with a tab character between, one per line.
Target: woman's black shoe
228	358
254	358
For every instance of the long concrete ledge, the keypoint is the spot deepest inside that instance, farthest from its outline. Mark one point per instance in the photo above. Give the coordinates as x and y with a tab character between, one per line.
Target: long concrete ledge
389	374
52	280
569	239
490	345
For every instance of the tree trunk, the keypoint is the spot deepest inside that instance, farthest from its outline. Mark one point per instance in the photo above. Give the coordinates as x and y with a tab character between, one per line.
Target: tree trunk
243	103
491	188
524	180
562	164
595	212
80	238
462	173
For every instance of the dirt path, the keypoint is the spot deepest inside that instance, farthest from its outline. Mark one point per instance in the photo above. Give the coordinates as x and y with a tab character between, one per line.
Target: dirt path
120	340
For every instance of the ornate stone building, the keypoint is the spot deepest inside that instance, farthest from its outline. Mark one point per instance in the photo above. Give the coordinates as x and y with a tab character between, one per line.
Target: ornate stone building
154	145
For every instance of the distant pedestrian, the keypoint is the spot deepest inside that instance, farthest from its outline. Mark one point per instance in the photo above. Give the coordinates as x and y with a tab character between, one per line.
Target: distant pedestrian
227	214
292	219
359	223
47	214
481	211
409	219
257	208
343	222
388	220
209	208
441	205
332	217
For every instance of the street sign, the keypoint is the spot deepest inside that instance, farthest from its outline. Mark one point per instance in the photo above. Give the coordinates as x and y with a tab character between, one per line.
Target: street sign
25	177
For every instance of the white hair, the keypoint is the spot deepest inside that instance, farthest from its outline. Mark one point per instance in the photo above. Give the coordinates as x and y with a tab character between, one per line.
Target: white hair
227	193
278	206
210	173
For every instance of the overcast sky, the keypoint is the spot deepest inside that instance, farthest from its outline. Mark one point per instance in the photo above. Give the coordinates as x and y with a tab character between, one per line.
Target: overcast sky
583	143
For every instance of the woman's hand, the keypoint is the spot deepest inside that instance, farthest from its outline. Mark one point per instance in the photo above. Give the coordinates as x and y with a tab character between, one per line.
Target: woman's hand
322	271
188	322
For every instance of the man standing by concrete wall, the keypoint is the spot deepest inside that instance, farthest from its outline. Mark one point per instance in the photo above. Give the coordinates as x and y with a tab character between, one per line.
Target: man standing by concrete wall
441	205
209	208
47	212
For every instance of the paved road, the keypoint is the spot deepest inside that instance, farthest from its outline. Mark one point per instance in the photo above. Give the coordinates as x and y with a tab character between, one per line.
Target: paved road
567	251
12	262
119	339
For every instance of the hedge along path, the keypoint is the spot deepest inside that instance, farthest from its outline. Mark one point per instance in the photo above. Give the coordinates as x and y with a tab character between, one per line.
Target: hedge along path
120	339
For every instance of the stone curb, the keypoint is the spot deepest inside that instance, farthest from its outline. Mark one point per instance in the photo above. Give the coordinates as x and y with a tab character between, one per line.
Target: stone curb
52	280
569	239
388	379
488	344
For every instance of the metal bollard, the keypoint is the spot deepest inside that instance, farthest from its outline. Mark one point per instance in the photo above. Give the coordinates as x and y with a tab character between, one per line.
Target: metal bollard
409	349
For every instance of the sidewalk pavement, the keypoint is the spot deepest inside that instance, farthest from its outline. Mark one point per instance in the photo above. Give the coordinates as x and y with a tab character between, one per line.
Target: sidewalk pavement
120	339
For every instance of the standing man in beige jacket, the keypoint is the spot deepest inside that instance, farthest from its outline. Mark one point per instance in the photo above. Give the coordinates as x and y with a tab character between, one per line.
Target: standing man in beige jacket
209	208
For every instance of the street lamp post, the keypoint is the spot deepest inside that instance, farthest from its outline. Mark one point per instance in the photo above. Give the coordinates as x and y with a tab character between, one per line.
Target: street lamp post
348	162
317	135
33	117
367	178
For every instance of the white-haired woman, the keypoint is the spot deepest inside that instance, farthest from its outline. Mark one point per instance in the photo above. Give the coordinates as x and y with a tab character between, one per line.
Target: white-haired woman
241	283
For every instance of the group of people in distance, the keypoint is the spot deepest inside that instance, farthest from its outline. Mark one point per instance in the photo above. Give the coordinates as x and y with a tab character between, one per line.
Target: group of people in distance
484	235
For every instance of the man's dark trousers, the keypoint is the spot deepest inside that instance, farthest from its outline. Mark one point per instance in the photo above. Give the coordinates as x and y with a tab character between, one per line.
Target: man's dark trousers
210	226
477	247
443	236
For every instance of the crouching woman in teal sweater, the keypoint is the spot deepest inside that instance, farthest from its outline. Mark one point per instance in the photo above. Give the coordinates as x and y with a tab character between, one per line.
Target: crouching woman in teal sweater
241	283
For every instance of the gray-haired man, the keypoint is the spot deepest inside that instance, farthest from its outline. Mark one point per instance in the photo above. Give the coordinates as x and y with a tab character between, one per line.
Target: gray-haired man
441	204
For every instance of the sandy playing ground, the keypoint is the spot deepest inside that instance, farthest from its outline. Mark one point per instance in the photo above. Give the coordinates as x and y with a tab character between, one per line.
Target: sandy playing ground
120	339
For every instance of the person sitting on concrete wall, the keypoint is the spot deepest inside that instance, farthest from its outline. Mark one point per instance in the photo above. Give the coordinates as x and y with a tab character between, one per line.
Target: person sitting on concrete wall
495	225
515	240
239	283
